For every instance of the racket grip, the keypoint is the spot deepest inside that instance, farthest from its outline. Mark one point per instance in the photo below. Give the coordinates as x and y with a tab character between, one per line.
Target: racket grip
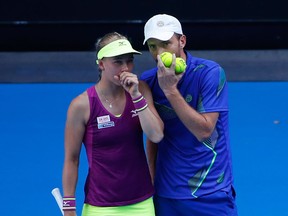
58	197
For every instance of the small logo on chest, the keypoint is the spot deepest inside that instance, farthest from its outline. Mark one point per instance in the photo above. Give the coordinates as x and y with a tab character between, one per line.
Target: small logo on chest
104	122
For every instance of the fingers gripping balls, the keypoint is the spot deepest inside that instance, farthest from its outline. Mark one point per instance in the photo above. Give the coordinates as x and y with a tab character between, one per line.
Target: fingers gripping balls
180	64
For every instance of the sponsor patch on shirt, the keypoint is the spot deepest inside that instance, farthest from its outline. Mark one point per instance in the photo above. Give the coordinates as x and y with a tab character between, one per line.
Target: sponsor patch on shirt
103	119
105	122
106	125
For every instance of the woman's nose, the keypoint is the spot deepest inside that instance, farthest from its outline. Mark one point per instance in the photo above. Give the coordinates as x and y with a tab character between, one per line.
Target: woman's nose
124	67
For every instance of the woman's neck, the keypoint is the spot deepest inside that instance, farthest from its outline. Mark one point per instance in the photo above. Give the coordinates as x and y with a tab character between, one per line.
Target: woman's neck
110	95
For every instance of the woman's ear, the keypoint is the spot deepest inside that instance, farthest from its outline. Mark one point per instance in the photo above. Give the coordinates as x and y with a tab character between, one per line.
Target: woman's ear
100	65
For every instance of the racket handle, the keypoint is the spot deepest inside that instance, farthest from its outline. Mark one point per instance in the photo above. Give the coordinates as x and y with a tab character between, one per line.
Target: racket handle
58	197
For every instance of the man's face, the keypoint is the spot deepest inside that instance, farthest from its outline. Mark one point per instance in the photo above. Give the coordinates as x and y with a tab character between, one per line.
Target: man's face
156	47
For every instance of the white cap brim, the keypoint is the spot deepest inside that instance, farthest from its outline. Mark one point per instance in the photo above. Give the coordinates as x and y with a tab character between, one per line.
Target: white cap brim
163	36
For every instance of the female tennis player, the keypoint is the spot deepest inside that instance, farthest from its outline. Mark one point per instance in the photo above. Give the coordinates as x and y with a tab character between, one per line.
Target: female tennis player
109	118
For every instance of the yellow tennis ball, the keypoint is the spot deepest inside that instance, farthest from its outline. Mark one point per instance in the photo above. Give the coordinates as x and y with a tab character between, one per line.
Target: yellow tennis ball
180	65
166	58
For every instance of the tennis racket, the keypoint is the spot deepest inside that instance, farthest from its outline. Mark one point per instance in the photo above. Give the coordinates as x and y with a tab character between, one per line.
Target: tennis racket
58	197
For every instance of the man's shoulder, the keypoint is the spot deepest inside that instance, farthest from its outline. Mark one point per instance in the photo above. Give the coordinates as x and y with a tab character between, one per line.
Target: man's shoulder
203	61
202	65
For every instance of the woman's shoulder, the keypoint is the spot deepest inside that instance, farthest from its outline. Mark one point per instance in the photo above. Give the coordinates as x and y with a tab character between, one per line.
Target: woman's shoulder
80	102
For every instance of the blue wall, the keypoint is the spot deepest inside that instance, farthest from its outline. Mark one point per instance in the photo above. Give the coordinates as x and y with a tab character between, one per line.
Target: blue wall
31	138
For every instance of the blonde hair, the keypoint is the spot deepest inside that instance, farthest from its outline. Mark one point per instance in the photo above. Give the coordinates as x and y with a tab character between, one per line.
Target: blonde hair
106	39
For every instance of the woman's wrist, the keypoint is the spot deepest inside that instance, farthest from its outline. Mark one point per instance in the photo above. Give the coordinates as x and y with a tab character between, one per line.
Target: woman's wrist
140	103
69	203
134	96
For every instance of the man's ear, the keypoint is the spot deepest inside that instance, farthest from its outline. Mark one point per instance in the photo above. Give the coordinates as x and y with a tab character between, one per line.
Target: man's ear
182	41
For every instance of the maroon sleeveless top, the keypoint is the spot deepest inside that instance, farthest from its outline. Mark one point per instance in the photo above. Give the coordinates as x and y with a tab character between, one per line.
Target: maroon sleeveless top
118	171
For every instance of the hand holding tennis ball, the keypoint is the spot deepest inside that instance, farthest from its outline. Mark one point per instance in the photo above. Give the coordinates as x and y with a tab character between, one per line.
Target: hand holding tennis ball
180	64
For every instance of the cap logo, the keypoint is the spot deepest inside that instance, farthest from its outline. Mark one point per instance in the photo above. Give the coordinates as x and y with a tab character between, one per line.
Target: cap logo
160	24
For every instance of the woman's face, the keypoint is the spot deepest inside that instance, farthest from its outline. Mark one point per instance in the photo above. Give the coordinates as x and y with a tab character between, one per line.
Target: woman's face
114	66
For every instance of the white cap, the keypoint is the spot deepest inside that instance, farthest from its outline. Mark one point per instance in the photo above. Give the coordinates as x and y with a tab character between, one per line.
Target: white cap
161	27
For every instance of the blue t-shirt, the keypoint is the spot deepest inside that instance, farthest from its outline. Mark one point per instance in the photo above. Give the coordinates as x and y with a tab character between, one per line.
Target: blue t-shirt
185	167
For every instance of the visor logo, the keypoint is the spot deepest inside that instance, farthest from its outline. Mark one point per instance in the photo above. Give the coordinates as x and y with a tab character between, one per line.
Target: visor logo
122	43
